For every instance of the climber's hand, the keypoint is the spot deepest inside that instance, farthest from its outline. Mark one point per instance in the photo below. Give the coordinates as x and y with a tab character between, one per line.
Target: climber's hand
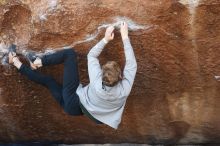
124	30
109	34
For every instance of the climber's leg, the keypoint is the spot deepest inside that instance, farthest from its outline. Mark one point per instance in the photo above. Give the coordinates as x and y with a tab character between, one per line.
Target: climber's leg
49	59
47	81
56	58
71	83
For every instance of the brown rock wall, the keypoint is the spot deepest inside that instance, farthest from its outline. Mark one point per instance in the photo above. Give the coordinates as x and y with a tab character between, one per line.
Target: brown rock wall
175	95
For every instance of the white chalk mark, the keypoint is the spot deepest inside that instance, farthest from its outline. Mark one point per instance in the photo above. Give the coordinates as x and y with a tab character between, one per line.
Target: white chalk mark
192	5
3	51
190	2
52	5
192	9
43	17
3	47
217	78
40	53
116	21
132	26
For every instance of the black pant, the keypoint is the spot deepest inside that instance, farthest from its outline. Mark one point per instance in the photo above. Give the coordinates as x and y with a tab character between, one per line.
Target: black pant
64	94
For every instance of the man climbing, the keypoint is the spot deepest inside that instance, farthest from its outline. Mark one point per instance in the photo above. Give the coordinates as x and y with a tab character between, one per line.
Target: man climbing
104	98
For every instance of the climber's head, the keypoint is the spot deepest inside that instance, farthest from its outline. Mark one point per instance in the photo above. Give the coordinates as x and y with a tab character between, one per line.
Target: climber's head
111	73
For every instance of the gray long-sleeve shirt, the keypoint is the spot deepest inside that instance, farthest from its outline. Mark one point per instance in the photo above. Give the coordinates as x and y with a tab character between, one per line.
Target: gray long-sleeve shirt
107	105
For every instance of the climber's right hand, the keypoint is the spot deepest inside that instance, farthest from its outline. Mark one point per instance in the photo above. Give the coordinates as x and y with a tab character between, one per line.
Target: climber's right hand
124	30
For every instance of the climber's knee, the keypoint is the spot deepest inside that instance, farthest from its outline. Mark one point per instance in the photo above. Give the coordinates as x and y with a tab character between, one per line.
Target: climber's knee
70	51
72	110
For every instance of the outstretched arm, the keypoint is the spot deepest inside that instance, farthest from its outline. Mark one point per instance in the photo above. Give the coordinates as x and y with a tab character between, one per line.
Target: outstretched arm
131	64
94	67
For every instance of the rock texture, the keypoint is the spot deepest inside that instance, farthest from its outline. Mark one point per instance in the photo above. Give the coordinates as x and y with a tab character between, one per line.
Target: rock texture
175	98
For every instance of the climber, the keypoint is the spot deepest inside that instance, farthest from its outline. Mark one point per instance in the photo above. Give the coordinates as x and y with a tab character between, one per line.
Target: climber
103	99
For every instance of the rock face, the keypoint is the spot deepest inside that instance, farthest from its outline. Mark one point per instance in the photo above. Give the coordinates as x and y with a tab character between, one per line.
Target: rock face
175	98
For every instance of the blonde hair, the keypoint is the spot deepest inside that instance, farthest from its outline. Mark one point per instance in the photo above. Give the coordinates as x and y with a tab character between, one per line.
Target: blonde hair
111	73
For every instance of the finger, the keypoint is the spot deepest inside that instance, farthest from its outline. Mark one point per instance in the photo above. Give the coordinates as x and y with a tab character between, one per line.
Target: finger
121	24
13	54
10	56
126	24
112	36
108	28
111	29
33	66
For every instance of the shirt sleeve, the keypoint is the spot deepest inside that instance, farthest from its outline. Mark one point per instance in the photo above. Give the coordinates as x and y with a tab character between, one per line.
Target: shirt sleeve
130	68
94	67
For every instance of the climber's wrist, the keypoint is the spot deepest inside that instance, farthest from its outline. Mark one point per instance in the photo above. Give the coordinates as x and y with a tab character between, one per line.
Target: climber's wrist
105	40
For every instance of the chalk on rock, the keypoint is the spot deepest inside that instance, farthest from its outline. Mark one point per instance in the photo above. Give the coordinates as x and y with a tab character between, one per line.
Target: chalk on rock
217	78
43	17
52	4
131	24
